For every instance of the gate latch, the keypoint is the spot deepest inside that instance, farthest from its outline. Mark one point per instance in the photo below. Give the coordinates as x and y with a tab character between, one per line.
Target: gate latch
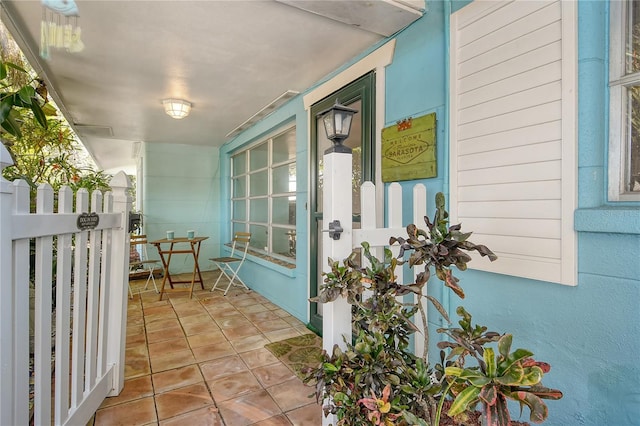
334	230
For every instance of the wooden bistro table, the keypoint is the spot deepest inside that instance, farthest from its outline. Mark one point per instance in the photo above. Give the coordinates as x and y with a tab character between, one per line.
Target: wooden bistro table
192	247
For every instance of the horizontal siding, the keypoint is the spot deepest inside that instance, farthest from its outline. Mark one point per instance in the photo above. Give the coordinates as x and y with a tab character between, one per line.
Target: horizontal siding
500	71
541	248
546	35
549	170
513	22
507	86
537	228
536	133
526	98
535	190
507	135
524	209
521	266
483	20
525	154
535	115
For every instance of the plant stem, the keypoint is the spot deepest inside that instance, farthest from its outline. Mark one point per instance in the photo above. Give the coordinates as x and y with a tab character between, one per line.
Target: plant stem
441	403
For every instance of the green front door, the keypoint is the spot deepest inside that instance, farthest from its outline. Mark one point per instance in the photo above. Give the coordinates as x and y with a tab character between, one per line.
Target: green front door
359	95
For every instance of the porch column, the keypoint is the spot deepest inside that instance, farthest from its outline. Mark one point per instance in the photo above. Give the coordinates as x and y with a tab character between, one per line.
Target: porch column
337	205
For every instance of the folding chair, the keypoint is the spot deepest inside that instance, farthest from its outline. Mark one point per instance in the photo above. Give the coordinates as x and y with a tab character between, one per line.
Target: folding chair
230	266
143	262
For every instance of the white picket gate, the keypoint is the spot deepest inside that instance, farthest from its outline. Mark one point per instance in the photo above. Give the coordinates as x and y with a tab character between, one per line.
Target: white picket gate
337	206
379	237
91	273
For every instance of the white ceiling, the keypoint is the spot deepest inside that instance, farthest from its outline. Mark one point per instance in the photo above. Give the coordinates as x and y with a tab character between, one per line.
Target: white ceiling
229	58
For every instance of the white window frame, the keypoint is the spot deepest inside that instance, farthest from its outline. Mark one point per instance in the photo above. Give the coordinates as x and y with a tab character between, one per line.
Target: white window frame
619	142
270	194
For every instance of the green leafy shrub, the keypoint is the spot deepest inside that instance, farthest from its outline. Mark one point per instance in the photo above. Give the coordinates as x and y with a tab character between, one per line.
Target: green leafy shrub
377	380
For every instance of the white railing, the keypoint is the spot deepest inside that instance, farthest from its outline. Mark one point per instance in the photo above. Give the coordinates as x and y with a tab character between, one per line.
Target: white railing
85	257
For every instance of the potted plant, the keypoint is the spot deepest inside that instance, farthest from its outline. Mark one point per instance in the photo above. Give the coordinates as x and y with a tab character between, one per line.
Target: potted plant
378	380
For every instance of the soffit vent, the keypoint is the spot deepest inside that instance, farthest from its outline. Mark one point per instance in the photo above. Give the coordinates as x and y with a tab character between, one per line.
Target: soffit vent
94	130
273	105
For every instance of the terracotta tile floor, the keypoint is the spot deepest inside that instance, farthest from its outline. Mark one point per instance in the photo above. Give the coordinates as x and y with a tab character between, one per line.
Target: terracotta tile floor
202	361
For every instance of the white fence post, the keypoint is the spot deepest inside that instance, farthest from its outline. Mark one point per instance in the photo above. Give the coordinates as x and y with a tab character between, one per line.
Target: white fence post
7	362
21	260
118	285
336	316
336	206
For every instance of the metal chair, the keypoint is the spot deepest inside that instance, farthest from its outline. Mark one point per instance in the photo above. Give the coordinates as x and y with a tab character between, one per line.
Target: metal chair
143	262
230	266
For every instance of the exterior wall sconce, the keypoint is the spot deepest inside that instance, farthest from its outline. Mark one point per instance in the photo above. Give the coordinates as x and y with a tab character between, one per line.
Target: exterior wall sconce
176	108
337	124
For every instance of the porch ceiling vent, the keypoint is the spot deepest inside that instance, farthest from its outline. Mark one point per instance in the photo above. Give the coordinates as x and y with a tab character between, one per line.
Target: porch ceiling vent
94	130
268	109
383	17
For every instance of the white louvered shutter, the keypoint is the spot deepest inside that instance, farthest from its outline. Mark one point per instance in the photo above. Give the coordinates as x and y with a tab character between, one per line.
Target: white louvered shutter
513	134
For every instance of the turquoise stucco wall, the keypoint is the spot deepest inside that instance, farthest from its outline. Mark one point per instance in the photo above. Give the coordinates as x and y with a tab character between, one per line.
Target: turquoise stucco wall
288	288
181	192
588	333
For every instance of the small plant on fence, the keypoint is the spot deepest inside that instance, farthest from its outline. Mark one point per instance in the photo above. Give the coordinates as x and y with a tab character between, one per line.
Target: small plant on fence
378	380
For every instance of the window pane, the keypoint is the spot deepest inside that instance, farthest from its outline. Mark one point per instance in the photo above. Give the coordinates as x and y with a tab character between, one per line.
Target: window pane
240	187
259	237
633	38
259	210
259	183
284	242
633	153
238	227
258	156
284	146
239	164
240	210
284	210
284	179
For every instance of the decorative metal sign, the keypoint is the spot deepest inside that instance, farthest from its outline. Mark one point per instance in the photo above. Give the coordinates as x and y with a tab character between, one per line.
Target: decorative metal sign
88	221
409	149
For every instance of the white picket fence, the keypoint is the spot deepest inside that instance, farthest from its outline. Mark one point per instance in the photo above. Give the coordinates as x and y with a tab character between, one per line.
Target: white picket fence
91	273
379	237
337	205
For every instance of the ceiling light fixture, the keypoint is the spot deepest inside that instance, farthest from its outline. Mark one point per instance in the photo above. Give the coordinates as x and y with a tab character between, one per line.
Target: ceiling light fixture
176	108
